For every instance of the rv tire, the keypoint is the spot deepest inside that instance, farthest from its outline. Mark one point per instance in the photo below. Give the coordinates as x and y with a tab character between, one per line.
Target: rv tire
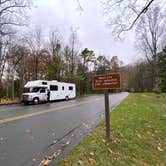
66	98
26	102
36	100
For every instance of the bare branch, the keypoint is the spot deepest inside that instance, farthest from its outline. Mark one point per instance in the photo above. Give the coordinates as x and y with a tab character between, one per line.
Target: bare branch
12	13
80	6
11	23
122	15
13	6
144	10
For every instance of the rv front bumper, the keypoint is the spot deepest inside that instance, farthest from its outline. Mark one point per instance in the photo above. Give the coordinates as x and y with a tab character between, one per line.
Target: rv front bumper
27	98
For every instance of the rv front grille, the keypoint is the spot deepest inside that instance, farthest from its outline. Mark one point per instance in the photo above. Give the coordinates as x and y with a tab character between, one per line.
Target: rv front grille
25	97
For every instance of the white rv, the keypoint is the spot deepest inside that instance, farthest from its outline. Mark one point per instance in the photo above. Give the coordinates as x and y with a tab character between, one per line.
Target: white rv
43	91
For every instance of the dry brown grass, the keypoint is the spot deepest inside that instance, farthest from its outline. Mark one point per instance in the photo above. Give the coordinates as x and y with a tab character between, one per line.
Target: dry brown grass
8	101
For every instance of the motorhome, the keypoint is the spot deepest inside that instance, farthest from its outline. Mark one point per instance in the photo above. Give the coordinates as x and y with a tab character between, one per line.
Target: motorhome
44	91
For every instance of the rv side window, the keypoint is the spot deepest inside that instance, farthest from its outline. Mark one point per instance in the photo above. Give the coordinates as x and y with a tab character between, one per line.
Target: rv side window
62	87
70	88
44	83
53	88
42	90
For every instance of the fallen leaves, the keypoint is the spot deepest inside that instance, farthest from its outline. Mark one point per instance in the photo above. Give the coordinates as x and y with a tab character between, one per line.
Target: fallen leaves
159	148
139	136
110	151
149	126
92	153
85	125
67	162
91	161
115	155
80	162
46	161
65	144
103	140
117	141
55	141
34	159
156	131
57	153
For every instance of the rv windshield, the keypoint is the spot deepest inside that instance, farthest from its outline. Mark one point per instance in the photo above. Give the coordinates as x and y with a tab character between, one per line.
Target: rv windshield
34	90
31	90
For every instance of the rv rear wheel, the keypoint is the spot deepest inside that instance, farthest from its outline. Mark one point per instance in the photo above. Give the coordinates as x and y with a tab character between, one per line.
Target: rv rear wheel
67	98
36	100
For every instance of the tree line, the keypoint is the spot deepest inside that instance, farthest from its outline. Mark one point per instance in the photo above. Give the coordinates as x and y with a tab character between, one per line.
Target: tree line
28	59
35	56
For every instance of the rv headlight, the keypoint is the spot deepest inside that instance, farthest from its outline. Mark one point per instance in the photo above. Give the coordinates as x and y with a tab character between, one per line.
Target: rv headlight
30	96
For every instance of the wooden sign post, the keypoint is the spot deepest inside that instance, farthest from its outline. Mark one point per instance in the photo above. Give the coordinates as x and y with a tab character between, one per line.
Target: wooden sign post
107	115
106	81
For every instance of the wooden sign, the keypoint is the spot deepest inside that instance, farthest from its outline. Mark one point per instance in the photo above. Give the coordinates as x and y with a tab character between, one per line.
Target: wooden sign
106	81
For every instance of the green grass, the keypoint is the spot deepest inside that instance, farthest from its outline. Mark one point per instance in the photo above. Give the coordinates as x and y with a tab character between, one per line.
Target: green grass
138	127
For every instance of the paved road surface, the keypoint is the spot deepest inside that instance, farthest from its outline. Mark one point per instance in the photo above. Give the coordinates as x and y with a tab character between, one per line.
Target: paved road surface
28	133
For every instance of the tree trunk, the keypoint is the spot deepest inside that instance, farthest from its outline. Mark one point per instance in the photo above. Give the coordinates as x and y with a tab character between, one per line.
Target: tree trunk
0	88
157	76
13	95
157	85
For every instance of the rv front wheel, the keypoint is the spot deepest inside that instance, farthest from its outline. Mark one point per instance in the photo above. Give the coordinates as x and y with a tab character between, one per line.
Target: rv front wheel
36	100
67	98
26	102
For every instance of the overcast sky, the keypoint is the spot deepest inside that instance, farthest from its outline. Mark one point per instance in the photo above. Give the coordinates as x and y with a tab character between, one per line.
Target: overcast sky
92	31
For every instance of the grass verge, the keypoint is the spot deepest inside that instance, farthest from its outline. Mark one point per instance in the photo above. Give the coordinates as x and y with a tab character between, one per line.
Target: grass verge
138	136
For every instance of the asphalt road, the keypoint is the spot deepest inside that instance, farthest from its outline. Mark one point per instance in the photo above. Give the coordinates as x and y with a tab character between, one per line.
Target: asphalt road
28	133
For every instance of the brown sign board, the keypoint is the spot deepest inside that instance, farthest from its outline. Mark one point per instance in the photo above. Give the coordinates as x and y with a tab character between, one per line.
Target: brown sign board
106	81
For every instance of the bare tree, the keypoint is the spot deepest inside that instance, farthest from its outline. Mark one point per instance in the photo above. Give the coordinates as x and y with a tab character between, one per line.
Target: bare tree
33	40
12	13
149	36
79	6
55	64
37	49
17	61
122	15
73	42
3	54
55	40
67	58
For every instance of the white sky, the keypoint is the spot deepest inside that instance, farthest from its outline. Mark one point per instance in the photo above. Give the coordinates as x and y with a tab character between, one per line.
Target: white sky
92	31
